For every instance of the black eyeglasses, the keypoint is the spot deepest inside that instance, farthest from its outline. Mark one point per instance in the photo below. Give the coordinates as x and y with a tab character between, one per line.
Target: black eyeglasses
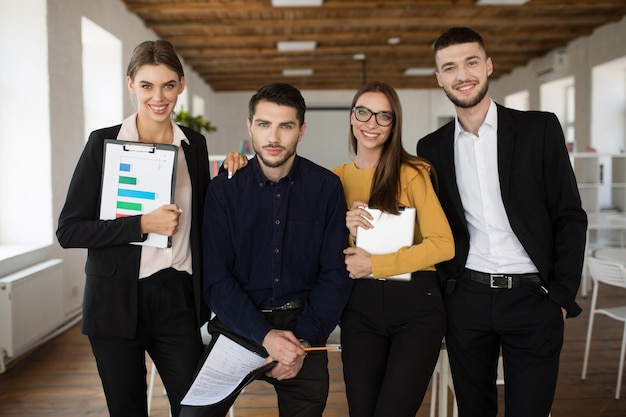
363	114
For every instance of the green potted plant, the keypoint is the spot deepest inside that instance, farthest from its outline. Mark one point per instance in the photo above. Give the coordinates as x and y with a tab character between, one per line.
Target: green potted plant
198	123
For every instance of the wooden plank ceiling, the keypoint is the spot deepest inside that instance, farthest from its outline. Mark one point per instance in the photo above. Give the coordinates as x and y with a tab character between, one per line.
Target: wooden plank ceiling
232	44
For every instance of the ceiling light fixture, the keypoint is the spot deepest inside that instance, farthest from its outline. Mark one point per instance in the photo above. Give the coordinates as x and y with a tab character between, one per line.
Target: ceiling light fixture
394	40
363	59
297	72
412	72
296	3
296	45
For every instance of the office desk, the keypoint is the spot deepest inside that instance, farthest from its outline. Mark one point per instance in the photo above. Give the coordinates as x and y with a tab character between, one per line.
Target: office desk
611	254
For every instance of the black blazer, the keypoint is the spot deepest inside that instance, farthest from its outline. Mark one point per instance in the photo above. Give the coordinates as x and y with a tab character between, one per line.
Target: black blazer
540	197
112	267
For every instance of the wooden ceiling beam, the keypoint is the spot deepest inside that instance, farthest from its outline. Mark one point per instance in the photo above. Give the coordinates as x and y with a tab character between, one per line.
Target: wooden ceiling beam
167	7
237	40
373	23
341	52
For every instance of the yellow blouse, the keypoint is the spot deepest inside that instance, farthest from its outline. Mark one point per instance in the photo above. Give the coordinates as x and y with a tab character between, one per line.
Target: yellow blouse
432	242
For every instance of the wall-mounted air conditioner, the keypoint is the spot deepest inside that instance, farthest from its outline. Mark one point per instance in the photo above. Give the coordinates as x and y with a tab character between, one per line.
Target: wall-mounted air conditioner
554	63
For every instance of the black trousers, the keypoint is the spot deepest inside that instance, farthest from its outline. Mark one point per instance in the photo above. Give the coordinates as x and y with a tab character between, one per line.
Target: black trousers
391	335
167	329
304	395
526	326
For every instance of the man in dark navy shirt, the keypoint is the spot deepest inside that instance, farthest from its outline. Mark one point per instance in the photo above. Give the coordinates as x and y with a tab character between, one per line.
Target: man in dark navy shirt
274	269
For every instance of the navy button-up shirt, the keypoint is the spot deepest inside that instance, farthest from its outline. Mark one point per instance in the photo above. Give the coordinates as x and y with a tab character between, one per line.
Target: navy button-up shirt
268	243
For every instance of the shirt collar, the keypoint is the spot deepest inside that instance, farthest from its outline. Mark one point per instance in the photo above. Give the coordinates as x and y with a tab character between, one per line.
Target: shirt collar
491	120
129	132
262	179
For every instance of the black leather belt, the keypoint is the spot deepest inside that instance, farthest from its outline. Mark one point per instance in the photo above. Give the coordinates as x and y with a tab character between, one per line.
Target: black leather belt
292	305
507	281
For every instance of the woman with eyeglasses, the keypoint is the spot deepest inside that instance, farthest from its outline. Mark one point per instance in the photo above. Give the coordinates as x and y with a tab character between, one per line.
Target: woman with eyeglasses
391	330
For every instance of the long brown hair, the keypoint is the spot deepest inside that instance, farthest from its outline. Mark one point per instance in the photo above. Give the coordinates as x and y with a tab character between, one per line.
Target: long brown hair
386	183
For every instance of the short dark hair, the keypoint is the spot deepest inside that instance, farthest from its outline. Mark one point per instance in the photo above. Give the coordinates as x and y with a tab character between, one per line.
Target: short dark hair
154	53
458	35
282	94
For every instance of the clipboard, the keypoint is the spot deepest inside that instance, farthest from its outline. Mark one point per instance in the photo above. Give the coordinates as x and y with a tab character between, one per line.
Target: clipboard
230	362
390	233
137	178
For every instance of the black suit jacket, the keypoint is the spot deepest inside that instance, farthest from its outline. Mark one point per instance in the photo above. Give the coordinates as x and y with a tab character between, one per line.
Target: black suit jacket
112	267
540	197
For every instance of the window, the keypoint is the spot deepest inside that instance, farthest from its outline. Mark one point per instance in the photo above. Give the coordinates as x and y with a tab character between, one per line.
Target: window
103	80
518	101
25	168
558	97
608	103
197	105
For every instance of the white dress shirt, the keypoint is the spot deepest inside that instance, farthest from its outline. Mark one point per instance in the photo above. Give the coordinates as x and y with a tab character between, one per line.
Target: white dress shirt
494	248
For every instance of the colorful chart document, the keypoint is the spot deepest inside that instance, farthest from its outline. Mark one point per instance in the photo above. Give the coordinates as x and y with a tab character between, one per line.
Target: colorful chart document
137	178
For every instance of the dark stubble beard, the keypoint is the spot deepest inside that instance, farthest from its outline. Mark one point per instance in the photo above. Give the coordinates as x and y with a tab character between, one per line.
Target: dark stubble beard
471	102
273	164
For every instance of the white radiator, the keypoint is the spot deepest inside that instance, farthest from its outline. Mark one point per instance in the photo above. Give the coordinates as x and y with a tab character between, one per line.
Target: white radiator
31	308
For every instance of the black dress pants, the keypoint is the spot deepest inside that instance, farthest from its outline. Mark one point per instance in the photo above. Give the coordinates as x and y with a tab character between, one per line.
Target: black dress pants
391	335
526	326
167	329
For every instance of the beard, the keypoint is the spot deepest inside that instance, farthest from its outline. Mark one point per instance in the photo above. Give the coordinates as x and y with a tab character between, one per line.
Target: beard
468	102
273	163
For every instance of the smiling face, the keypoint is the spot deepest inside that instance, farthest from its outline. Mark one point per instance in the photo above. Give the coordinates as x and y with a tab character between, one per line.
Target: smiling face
370	135
275	132
156	88
463	71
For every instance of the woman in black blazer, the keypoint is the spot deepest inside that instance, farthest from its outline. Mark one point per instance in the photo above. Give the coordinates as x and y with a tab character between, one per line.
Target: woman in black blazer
139	298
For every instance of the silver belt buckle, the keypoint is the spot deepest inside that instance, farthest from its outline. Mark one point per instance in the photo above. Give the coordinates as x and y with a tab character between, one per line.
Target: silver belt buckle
493	284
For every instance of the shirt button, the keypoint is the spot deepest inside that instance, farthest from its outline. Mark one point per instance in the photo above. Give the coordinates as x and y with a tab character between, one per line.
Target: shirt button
277	222
277	195
276	279
276	250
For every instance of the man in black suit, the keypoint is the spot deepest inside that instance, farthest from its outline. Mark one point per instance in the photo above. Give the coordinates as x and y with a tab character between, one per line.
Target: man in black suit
508	189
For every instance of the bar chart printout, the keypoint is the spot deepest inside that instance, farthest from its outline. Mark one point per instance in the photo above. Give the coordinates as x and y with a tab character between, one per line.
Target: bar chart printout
137	179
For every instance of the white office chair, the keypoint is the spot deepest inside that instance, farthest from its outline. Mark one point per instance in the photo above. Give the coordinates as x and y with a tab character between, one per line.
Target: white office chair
441	384
153	372
613	274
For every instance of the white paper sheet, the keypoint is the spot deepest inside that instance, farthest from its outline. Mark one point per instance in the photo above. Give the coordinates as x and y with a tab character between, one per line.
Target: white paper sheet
226	366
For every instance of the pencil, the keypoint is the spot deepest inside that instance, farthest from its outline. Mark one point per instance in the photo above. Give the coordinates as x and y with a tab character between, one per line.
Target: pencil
310	349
